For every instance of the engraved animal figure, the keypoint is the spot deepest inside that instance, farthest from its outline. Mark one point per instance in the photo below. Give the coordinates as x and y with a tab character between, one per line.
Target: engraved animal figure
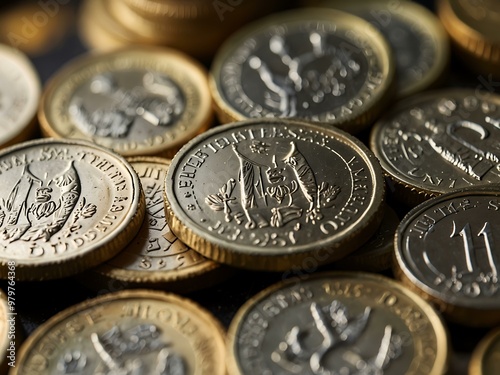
38	208
339	332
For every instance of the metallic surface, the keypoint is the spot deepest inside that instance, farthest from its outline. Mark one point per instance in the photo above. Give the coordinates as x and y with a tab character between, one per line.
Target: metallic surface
337	323
129	332
485	357
321	65
65	206
446	250
137	101
268	194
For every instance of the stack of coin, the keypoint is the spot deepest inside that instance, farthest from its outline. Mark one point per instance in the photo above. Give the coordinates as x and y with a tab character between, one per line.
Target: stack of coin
195	26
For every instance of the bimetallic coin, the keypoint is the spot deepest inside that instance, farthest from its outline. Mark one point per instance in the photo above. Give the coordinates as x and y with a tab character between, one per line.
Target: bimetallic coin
19	96
416	36
473	27
271	194
321	65
137	101
447	250
337	323
486	356
129	332
65	206
436	142
156	258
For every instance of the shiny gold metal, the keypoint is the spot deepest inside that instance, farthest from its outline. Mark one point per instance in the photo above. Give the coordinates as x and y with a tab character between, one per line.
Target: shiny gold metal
485	357
140	331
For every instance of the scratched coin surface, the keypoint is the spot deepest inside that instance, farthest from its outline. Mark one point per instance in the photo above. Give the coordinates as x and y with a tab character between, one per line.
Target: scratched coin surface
321	65
19	96
337	323
436	142
447	250
156	257
129	332
416	36
65	206
136	101
486	355
271	194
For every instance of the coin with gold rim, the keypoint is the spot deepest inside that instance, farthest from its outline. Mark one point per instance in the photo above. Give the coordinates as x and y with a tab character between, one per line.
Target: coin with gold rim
269	194
140	332
156	258
337	323
137	101
315	64
486	355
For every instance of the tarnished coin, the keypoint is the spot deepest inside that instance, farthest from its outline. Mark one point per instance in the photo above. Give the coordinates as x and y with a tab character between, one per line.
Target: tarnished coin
447	250
375	255
436	142
416	36
19	96
129	332
155	257
65	206
271	194
473	28
137	101
316	64
486	356
337	323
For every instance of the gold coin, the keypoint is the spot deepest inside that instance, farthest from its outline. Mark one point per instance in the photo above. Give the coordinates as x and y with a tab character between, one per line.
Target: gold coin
129	332
337	323
473	28
320	65
19	96
137	101
65	206
486	355
156	258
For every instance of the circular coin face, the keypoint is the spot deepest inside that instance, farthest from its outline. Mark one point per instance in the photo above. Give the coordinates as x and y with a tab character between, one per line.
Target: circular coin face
19	96
137	101
156	257
485	357
337	323
129	332
433	143
446	249
65	206
321	65
269	194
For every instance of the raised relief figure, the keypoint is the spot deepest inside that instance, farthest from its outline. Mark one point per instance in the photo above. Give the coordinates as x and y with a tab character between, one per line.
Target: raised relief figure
340	333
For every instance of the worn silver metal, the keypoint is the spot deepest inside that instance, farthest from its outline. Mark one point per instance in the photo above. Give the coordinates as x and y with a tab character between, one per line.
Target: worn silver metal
447	250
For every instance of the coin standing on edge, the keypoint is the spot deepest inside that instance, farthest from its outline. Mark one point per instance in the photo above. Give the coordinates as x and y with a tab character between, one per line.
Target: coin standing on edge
156	258
65	206
418	40
337	323
446	250
136	101
484	360
272	194
436	142
19	97
139	332
315	64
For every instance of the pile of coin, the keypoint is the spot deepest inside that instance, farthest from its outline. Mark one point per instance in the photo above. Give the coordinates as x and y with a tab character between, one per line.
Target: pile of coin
310	167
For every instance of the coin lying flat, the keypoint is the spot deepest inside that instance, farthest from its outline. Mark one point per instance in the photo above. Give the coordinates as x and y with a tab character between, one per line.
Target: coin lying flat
337	323
416	36
19	96
65	206
484	360
436	142
155	257
129	332
269	194
137	101
446	250
320	65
